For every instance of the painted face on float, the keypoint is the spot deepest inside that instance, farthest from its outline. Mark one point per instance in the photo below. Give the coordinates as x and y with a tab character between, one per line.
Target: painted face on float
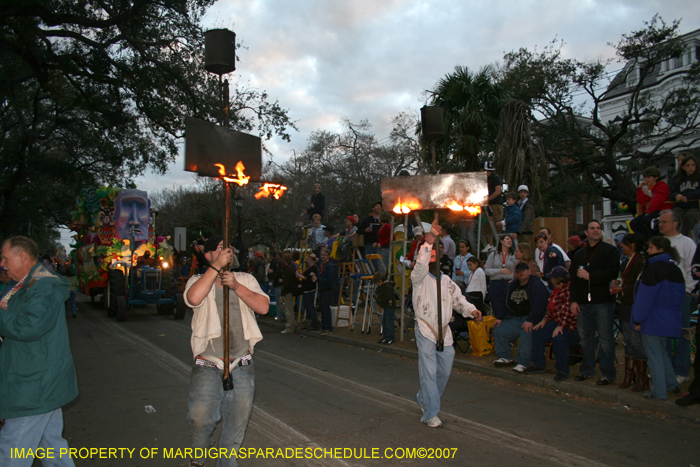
132	207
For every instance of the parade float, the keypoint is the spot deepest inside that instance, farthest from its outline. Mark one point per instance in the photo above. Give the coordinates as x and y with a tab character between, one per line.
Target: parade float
114	230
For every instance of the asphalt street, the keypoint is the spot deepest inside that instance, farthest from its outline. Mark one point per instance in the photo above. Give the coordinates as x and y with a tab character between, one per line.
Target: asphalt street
320	402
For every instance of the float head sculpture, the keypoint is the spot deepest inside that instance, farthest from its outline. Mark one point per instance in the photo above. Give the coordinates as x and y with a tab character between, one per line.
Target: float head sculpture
132	208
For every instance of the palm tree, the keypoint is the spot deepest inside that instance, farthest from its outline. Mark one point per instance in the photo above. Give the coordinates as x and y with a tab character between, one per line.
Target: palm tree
471	103
520	159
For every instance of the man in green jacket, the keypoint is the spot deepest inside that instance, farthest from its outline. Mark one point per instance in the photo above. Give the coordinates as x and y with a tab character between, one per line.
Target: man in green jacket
37	376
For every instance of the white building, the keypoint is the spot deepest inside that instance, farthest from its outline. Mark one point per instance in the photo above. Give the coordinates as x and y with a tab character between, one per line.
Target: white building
663	78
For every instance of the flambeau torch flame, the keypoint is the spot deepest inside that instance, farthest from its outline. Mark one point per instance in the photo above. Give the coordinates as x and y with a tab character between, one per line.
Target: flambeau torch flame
268	189
240	178
455	207
473	210
406	206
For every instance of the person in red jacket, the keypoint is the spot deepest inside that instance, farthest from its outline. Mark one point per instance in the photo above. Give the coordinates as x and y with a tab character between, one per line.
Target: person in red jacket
384	239
653	197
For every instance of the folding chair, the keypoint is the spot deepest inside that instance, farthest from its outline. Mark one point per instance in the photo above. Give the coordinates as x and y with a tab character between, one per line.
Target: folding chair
460	333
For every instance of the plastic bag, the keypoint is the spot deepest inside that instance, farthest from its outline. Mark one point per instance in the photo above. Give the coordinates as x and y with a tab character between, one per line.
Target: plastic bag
334	249
481	336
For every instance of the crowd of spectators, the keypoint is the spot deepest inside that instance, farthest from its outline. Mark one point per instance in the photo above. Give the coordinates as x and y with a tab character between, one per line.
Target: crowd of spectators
572	302
539	293
542	294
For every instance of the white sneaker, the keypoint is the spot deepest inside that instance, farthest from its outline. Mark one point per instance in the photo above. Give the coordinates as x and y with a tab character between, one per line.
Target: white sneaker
287	331
487	248
434	422
682	379
519	368
502	362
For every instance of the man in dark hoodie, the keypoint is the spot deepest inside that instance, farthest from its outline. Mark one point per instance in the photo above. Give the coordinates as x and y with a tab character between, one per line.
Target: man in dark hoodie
592	269
526	304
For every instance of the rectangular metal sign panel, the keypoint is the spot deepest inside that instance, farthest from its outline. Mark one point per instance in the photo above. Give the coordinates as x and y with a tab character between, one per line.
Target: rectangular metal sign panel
180	238
207	144
432	192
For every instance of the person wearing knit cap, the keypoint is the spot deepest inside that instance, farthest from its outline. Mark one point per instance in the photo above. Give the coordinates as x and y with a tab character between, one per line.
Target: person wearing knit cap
208	402
574	243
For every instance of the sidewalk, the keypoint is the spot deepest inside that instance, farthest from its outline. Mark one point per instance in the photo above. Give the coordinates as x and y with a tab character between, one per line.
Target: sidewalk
622	398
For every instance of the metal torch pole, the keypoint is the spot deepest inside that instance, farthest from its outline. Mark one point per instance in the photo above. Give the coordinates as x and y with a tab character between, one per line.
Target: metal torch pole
440	345
227	381
403	275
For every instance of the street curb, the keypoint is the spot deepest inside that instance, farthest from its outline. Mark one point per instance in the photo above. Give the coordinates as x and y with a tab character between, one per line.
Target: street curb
624	398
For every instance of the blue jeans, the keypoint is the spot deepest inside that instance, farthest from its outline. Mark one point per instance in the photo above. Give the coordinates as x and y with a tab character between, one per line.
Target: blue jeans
310	308
509	330
597	317
209	403
32	432
384	253
560	346
498	289
680	357
326	298
662	376
642	225
433	373
388	323
278	302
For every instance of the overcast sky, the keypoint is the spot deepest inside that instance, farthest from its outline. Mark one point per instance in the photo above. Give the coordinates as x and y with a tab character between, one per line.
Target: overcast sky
326	60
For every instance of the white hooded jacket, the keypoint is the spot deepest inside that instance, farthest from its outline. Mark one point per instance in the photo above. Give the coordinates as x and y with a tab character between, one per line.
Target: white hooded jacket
425	298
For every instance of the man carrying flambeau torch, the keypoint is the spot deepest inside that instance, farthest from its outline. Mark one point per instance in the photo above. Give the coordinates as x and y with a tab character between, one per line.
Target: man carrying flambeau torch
208	402
434	367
